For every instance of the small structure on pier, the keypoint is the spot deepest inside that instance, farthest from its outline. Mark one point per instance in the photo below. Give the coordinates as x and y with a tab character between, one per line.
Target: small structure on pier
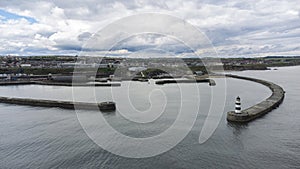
238	105
107	106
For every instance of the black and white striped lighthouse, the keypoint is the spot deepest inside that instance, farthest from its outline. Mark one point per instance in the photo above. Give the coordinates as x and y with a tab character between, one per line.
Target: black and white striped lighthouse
238	105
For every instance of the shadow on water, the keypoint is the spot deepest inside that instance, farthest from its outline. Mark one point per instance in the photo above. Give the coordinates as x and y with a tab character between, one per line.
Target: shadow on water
109	113
237	128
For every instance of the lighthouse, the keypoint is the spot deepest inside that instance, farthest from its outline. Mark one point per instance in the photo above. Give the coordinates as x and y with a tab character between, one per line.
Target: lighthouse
238	105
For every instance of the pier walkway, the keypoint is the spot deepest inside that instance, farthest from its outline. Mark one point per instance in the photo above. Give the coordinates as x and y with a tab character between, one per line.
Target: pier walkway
261	108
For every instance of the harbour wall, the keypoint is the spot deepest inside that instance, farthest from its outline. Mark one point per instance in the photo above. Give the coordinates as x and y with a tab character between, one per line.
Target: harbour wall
51	103
211	82
50	83
54	103
261	108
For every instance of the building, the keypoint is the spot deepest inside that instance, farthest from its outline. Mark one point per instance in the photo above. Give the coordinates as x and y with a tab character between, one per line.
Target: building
198	73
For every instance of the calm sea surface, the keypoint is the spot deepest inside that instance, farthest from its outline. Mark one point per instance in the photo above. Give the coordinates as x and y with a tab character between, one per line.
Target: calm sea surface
37	137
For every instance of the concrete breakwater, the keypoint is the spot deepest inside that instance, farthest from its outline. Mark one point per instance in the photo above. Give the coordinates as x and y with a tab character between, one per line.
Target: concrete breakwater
103	106
106	106
168	81
261	108
7	83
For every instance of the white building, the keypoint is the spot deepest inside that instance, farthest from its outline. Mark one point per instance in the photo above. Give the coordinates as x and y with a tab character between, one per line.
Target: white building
25	65
136	69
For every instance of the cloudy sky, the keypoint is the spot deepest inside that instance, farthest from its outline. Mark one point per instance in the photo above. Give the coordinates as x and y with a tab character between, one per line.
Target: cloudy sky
234	27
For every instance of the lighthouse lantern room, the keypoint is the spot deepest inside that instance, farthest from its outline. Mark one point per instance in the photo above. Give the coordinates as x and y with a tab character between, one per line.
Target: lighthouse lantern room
238	105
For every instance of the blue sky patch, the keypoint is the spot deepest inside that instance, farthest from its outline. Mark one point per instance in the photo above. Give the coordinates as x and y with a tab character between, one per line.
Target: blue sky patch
4	15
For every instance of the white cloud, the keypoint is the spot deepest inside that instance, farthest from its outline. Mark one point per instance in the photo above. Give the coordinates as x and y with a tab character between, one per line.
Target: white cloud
235	27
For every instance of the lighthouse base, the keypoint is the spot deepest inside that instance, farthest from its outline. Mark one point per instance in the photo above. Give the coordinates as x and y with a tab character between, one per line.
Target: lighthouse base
240	117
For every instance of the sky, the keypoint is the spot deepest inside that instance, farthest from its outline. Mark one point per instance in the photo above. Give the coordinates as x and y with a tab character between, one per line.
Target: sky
235	28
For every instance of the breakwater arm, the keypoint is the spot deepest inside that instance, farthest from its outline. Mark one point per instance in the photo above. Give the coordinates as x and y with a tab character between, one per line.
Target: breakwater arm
7	83
59	104
104	106
170	81
261	108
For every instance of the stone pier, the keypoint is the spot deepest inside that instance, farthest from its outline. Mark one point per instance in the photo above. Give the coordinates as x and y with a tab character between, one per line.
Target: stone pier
261	108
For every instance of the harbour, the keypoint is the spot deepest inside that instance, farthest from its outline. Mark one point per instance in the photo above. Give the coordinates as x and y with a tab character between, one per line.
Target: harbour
52	137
